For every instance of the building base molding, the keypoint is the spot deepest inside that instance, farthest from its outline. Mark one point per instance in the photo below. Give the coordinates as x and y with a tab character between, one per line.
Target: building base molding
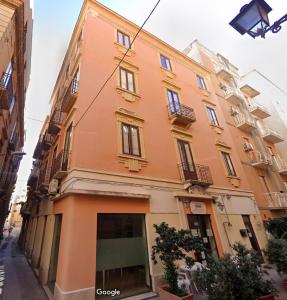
82	294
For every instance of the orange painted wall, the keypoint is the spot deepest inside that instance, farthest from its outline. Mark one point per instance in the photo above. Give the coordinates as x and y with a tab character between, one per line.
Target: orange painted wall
96	135
77	252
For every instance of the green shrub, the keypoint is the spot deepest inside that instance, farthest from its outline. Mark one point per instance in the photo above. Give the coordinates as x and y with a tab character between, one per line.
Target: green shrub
234	278
172	245
277	254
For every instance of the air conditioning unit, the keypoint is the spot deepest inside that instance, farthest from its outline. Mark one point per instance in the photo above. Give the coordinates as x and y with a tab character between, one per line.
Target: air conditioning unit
247	147
233	111
53	187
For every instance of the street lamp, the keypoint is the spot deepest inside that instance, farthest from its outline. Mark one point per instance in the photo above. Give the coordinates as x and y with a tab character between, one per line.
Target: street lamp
253	19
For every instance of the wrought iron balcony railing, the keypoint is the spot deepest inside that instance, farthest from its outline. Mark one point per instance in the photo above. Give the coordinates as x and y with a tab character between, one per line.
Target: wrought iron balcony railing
60	165
276	200
43	180
70	96
197	174
181	114
56	120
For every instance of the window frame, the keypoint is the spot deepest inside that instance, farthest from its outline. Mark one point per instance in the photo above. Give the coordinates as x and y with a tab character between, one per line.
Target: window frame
124	36
127	71
229	166
173	102
201	82
130	145
212	116
165	59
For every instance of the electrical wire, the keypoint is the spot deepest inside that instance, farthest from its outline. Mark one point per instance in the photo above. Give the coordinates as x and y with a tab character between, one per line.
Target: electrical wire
117	66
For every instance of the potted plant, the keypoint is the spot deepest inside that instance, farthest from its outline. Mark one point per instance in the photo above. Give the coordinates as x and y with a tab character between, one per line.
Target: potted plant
171	246
276	251
237	277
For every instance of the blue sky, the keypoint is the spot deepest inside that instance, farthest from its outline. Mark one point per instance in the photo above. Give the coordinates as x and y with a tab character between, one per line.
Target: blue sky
176	22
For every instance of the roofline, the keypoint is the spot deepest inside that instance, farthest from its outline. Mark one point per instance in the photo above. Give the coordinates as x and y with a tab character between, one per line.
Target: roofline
94	2
196	41
266	78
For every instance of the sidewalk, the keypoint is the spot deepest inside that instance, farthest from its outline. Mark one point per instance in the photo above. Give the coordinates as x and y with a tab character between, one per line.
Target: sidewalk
19	280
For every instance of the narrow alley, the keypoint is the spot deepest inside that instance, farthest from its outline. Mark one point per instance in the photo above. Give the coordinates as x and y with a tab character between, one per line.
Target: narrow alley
17	276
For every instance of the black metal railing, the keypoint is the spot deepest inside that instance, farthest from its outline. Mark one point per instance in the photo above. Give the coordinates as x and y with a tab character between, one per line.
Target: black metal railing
182	111
71	91
43	180
198	174
56	121
60	164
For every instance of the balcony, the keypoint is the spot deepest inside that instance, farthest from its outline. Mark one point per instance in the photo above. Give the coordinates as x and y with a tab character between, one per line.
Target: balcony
43	181
60	165
244	122
233	96
223	72
259	111
6	86
249	90
38	150
56	121
271	135
276	200
70	96
181	115
282	166
196	174
32	180
48	140
260	160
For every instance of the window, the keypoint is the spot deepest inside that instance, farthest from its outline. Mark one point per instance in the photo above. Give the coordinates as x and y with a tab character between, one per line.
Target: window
127	80
201	82
187	163
13	134
67	146
165	62
123	39
131	140
173	100
212	116
11	104
228	163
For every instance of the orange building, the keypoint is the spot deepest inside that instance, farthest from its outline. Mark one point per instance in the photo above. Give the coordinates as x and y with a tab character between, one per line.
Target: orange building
15	58
154	146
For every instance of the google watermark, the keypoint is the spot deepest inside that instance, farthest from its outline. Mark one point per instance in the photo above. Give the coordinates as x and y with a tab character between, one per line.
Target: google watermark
112	293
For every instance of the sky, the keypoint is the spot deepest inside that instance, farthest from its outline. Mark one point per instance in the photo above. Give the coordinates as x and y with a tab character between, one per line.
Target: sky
177	22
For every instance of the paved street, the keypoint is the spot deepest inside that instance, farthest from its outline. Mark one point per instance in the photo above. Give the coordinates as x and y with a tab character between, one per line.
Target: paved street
19	280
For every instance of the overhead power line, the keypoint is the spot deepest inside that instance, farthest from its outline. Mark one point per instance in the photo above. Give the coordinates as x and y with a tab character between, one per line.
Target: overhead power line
117	66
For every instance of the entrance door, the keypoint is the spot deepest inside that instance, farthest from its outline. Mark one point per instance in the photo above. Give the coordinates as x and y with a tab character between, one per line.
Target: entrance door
200	225
251	234
122	256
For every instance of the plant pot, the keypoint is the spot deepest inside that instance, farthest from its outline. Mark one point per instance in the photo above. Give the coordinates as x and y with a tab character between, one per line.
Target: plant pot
267	297
165	295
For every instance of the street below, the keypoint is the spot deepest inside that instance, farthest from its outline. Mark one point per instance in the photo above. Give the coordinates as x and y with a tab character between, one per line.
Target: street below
17	281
